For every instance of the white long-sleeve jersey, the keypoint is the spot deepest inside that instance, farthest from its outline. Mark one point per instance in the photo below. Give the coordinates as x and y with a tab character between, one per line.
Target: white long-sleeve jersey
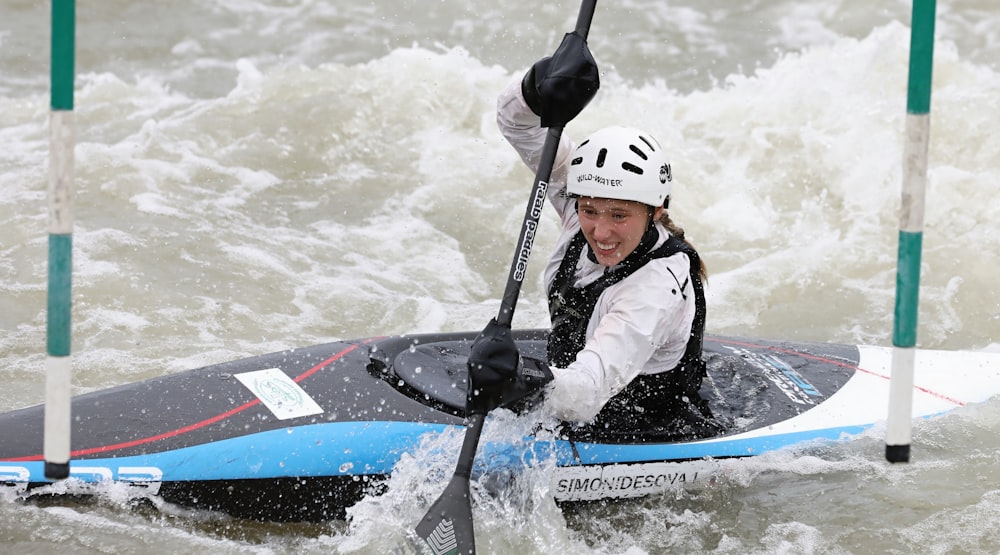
638	325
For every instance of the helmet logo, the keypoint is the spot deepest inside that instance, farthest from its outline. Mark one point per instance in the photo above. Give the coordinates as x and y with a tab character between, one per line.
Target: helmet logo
600	180
665	174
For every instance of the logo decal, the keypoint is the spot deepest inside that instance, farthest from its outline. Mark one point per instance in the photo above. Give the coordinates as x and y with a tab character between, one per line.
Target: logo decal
83	479
622	481
528	237
782	375
665	174
279	393
442	540
600	180
15	478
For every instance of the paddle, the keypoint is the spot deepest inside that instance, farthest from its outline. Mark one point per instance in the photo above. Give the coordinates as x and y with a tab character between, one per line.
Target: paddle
447	527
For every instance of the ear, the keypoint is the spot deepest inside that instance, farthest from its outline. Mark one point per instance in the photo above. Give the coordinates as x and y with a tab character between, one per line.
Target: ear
657	212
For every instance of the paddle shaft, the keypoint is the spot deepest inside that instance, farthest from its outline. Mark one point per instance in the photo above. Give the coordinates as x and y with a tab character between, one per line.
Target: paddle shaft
536	201
447	527
469	444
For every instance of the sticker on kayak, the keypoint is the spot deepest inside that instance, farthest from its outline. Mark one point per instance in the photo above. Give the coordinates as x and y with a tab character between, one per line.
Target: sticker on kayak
279	393
621	481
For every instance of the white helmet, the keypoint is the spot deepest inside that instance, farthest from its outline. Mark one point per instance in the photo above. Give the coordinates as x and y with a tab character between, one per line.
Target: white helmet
620	163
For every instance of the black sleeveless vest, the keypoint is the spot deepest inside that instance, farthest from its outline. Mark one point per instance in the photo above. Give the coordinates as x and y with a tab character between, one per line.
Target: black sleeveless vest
653	406
570	308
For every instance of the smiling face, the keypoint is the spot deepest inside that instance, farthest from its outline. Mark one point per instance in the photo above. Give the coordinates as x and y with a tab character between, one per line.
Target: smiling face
613	228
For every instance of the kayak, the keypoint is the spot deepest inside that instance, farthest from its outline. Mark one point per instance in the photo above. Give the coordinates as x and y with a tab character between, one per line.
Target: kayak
303	434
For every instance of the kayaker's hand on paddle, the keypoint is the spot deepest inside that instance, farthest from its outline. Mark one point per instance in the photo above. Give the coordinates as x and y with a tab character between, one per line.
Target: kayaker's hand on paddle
493	362
526	391
558	87
498	376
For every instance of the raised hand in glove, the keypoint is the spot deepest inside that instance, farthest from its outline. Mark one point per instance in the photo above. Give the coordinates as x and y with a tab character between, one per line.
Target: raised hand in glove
560	86
498	375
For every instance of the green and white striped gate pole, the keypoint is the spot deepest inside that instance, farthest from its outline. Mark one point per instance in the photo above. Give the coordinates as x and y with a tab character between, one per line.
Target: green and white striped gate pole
911	229
58	370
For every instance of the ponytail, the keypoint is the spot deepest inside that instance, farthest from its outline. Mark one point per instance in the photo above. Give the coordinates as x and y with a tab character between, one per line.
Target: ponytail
678	232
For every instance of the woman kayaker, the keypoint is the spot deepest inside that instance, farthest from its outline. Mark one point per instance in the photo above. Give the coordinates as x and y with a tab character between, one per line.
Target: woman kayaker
625	289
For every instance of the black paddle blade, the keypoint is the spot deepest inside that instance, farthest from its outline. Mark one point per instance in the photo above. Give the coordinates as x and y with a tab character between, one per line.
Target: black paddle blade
447	526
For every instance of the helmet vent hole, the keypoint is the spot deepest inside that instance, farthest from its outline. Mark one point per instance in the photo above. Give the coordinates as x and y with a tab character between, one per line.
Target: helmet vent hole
648	143
576	161
631	168
638	152
601	155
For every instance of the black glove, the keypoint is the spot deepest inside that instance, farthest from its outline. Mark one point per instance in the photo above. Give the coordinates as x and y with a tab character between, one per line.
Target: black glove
498	375
559	87
526	391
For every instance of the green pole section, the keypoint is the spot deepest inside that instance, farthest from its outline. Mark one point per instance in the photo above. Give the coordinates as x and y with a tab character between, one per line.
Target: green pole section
63	58
58	374
911	228
904	330
918	92
59	295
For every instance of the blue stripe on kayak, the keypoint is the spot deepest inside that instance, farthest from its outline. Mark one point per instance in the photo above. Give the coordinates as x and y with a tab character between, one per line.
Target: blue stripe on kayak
373	448
591	453
494	457
330	449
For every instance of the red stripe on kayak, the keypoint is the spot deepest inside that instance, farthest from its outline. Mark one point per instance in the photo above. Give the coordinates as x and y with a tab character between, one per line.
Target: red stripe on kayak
197	425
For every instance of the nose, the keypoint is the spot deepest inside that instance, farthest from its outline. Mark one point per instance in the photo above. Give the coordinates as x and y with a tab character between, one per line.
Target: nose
601	229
